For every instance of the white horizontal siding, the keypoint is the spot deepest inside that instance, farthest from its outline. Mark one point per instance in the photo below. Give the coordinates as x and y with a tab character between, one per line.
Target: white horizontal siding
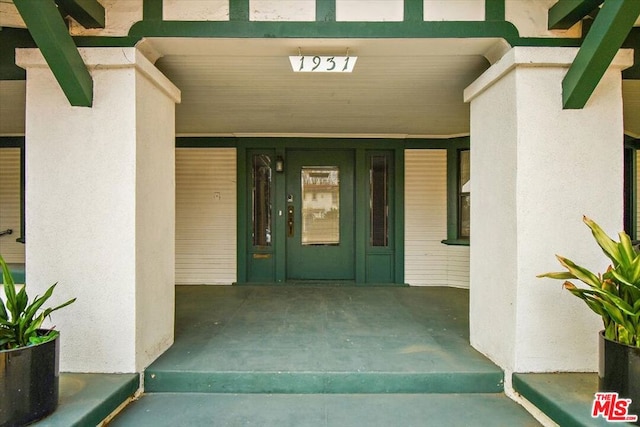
428	262
10	250
205	216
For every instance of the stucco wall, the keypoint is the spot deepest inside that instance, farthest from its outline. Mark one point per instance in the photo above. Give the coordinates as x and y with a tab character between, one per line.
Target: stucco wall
155	221
100	217
529	205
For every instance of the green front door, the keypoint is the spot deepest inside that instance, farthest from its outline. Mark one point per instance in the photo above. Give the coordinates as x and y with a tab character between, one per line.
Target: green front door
320	215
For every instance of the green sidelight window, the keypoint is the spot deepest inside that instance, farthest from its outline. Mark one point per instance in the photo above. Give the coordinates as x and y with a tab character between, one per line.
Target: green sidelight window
379	200
458	193
261	175
464	194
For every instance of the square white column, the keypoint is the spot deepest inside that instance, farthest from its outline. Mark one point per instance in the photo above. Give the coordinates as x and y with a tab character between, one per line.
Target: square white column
537	169
100	208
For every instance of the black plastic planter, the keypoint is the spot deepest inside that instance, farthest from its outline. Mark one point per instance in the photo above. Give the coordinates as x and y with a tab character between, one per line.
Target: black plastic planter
620	371
28	383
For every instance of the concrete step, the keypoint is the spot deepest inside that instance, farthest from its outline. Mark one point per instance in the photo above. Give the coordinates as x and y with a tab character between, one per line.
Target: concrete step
87	399
566	398
343	410
323	382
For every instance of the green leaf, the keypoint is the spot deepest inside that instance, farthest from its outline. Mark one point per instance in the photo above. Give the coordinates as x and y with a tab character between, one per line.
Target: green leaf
627	253
31	310
608	246
562	275
9	286
21	300
20	321
580	273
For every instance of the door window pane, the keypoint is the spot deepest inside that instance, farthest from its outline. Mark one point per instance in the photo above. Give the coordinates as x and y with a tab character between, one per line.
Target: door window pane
378	201
261	200
320	205
464	191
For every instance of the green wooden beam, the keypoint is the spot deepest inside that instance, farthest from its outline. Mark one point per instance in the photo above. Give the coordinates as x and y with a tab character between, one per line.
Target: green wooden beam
152	10
494	10
50	33
413	10
239	10
566	13
326	10
88	13
608	32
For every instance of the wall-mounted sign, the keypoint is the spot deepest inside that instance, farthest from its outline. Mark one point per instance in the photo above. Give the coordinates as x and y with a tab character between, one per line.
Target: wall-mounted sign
322	64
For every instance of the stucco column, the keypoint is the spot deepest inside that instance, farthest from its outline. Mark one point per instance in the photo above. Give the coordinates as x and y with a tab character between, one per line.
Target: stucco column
536	169
100	208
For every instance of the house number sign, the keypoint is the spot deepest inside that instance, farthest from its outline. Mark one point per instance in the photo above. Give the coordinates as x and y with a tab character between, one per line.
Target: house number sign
322	64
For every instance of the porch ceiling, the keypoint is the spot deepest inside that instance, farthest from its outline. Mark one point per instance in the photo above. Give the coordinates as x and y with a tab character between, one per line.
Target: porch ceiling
244	87
398	87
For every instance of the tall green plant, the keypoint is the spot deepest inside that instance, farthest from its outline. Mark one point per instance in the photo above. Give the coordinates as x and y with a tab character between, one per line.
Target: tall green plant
614	294
20	321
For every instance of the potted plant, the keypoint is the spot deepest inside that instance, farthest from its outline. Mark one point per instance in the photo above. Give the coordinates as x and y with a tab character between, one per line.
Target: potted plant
28	355
615	296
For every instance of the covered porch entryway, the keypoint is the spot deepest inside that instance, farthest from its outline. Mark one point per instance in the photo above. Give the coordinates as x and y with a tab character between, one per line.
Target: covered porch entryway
322	355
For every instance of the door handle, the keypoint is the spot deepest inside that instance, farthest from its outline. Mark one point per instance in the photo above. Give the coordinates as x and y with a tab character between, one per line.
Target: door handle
290	228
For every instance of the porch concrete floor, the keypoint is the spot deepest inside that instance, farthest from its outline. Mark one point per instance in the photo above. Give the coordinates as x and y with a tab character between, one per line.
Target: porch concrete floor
322	355
313	339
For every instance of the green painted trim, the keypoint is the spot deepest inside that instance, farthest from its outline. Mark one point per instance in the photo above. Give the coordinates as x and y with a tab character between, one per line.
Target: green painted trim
364	143
23	205
239	10
280	223
399	215
566	13
152	10
325	10
289	143
452	190
455	242
254	29
633	42
608	32
494	10
10	39
205	142
241	215
630	191
361	209
631	142
413	10
11	141
18	142
434	143
58	48
452	196
88	13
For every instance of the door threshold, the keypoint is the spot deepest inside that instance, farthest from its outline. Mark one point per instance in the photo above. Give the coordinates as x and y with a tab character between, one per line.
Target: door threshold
324	283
